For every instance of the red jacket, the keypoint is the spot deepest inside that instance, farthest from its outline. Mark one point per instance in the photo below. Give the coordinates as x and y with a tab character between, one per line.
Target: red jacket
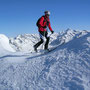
43	23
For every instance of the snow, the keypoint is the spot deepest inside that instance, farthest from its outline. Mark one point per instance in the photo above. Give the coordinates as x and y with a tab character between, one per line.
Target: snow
4	42
26	42
65	68
5	45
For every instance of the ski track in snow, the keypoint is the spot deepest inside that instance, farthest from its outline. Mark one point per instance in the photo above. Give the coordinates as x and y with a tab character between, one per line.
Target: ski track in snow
65	68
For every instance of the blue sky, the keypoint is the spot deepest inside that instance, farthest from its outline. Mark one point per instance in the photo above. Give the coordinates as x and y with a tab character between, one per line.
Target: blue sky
20	16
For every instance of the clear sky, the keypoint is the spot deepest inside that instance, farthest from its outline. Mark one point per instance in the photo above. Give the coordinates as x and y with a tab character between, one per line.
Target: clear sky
20	16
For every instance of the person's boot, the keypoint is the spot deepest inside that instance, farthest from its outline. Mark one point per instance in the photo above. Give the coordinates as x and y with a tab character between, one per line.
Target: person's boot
35	49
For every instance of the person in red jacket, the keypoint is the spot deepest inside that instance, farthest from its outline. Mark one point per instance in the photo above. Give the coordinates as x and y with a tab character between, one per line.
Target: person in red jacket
42	24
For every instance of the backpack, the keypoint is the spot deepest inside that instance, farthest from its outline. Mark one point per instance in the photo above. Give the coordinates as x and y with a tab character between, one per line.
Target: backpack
37	23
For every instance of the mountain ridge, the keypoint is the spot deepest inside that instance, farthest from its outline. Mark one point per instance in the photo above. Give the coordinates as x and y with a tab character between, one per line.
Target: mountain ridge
65	68
21	42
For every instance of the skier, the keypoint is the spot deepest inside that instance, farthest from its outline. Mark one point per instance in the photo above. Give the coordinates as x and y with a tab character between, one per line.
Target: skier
42	24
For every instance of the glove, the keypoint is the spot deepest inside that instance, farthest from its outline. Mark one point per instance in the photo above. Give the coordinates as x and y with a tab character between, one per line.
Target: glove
52	32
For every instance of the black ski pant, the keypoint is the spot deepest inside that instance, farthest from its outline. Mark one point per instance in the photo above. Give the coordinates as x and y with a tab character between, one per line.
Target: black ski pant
41	40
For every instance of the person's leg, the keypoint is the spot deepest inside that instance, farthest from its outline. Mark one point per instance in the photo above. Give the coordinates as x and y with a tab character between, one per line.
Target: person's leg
47	41
38	44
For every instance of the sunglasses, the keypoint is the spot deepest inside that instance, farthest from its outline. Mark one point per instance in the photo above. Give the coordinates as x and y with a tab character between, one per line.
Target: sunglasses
47	14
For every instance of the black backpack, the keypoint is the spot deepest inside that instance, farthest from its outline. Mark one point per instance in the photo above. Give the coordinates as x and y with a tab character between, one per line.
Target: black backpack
37	23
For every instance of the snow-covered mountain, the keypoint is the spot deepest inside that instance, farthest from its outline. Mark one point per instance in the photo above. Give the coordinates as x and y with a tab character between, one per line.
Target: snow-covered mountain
26	42
65	68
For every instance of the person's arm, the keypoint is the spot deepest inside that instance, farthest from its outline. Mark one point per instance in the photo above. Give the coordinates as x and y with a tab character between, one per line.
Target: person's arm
49	25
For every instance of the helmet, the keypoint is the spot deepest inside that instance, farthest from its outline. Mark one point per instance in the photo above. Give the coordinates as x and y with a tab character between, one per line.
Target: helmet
47	12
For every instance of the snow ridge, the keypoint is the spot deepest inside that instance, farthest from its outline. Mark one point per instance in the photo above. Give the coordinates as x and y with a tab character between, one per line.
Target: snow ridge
65	68
5	45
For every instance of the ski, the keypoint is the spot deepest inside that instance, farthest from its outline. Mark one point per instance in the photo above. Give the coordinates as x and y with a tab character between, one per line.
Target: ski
51	49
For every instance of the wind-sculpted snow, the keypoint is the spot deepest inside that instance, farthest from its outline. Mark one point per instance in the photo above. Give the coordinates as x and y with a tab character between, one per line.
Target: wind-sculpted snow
5	45
65	68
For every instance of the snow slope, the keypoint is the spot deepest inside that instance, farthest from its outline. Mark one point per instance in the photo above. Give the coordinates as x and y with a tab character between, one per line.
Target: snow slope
65	68
4	45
